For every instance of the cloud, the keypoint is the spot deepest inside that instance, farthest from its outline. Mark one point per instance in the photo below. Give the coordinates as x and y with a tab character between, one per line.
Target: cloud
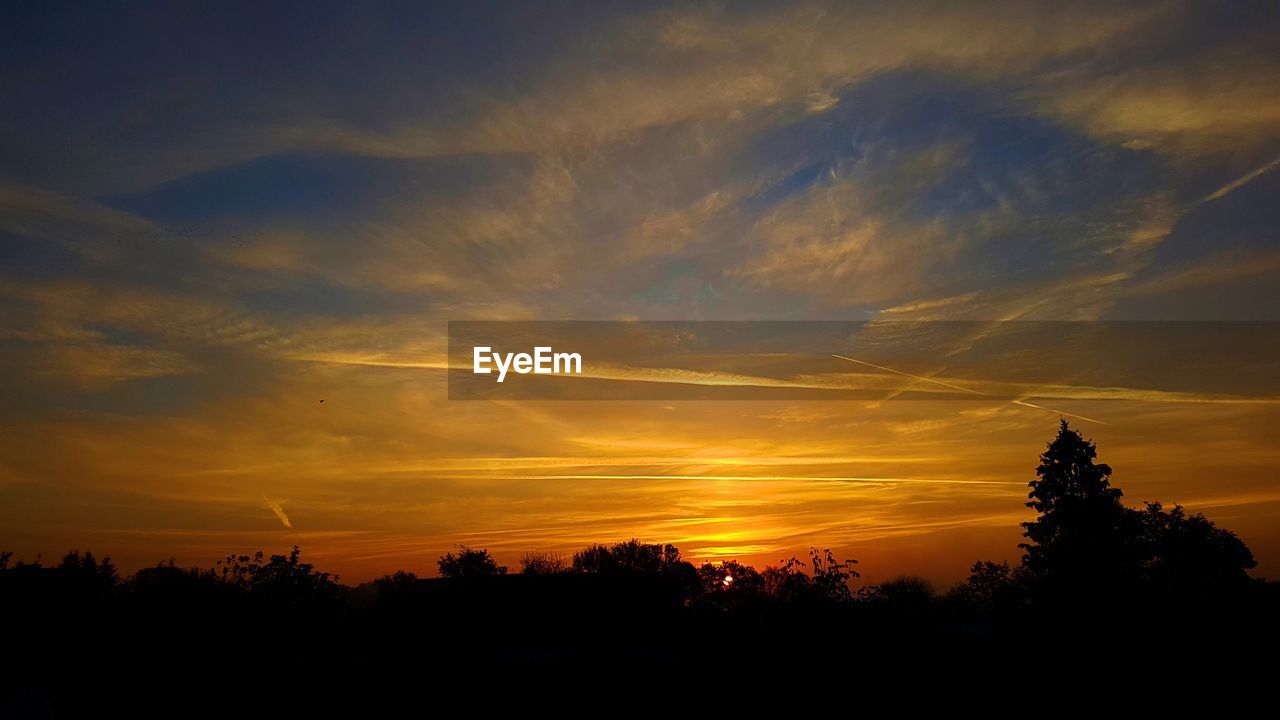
1215	270
96	366
1219	101
832	244
160	314
734	64
644	70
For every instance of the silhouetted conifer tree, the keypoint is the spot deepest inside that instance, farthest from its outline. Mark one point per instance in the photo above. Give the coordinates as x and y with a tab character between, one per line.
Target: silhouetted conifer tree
1078	541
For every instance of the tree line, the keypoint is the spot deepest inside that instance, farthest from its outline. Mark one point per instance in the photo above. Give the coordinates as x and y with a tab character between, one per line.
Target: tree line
1084	548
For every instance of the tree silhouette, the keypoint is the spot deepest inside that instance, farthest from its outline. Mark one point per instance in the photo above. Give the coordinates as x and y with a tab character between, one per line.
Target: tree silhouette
87	574
1078	538
395	591
730	577
1187	555
827	583
730	586
469	562
902	597
786	582
630	556
634	559
1091	554
167	581
830	576
989	588
282	581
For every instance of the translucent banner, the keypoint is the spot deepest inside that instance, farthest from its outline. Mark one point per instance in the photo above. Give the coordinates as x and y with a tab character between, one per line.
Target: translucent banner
783	360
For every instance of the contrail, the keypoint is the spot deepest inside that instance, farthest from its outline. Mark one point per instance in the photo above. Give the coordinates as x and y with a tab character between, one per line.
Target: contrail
914	377
1241	182
1078	417
964	389
279	511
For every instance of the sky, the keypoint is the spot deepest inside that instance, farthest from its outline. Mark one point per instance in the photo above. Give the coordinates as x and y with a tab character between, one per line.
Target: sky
213	216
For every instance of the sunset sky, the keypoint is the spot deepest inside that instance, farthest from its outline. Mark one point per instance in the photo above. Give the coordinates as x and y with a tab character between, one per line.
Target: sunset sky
214	216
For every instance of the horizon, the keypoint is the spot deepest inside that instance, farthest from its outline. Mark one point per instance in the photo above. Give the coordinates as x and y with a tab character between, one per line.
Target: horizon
425	566
235	242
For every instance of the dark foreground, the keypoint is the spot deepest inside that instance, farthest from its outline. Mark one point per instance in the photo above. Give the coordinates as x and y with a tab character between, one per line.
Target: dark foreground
181	649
